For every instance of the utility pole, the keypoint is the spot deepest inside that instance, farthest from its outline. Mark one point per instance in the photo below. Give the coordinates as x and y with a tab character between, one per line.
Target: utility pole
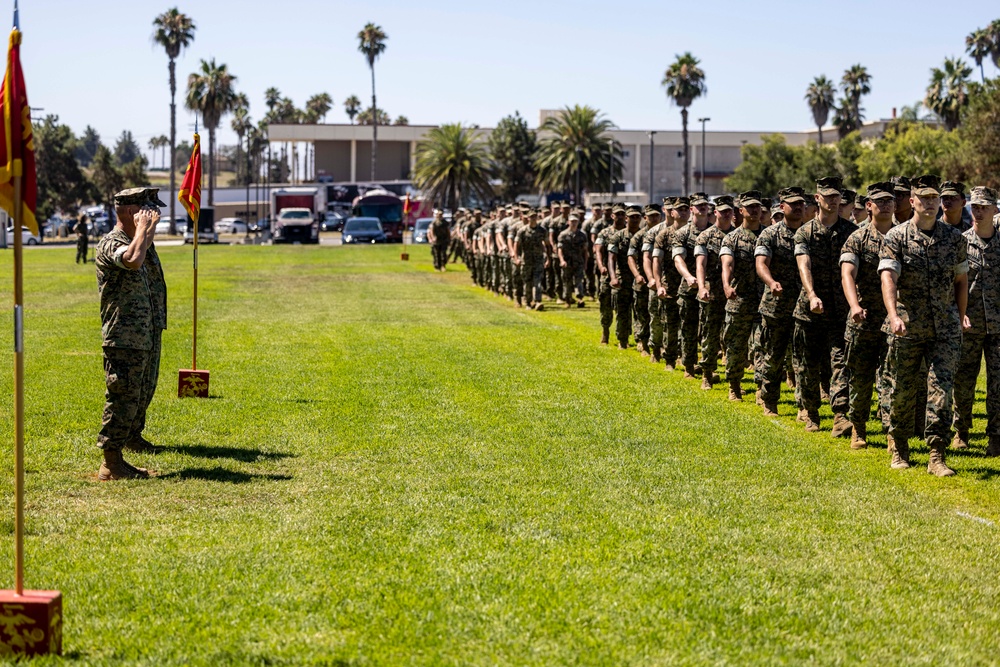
703	121
652	133
611	168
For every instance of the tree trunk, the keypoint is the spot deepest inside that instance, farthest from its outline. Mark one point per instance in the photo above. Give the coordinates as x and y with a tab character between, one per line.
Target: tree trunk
211	166
982	73
687	156
374	124
820	128
173	147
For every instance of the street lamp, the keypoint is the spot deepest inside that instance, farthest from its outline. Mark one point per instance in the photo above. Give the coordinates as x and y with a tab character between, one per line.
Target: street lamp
652	133
703	121
611	168
579	157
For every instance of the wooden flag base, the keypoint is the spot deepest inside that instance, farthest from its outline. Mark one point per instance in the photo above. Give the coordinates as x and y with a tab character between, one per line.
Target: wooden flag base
30	624
192	384
405	256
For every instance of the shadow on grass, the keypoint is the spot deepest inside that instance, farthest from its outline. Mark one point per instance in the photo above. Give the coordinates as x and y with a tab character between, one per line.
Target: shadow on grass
222	475
983	474
234	453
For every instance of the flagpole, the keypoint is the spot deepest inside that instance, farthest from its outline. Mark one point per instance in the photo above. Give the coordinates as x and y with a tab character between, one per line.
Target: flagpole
194	299
18	390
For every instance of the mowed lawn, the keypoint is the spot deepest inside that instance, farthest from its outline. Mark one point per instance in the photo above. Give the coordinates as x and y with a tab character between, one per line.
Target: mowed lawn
396	468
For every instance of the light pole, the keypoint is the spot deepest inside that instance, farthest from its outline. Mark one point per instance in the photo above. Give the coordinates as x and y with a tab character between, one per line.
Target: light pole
579	157
652	133
611	168
703	121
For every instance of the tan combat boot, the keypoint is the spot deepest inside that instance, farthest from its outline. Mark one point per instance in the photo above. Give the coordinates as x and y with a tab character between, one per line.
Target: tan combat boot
114	467
668	367
643	349
539	306
842	428
859	436
802	415
770	409
654	355
960	441
900	454
689	372
605	334
760	401
706	383
735	392
812	422
993	449
790	380
936	465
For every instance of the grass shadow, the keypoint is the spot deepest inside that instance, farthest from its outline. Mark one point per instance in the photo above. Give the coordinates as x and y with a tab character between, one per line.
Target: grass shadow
219	474
234	453
983	474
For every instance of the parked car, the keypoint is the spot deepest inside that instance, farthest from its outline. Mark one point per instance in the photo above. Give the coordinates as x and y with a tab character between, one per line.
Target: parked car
260	225
363	230
27	238
163	226
420	229
332	222
230	226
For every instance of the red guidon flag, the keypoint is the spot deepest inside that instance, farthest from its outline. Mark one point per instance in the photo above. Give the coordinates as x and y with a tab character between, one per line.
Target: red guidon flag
190	194
407	206
17	148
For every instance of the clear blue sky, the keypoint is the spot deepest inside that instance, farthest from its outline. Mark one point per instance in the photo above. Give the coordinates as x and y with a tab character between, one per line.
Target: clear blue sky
93	62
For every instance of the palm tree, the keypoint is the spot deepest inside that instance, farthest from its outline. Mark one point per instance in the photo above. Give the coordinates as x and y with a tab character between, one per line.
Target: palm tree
684	82
210	93
352	105
575	144
855	84
319	106
380	117
154	143
401	120
271	97
948	91
453	162
241	125
174	32
820	94
979	45
845	119
994	32
371	42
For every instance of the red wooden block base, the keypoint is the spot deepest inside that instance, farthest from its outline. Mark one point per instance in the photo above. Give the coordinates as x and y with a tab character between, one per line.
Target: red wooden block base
405	256
30	624
192	384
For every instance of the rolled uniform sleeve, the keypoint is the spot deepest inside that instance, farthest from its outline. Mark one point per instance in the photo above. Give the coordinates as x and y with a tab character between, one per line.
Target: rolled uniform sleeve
763	249
725	250
700	251
850	254
889	258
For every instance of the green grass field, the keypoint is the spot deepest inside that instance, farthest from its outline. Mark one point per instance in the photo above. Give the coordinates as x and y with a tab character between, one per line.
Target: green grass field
399	468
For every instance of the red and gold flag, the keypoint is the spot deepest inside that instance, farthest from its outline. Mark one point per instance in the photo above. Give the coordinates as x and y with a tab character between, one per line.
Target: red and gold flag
407	206
190	194
17	148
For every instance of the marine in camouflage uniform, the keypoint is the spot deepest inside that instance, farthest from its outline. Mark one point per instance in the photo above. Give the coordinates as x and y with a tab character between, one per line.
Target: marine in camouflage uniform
558	223
621	277
821	311
983	338
684	241
531	251
710	293
469	250
640	282
590	283
571	246
439	235
596	226
777	269
742	289
133	315
668	279
604	296
865	344
654	225
953	209
81	239
924	268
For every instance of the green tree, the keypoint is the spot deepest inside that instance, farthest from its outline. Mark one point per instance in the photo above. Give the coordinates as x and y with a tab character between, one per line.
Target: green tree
768	167
452	164
126	149
513	146
401	120
318	106
106	177
182	155
575	143
62	185
684	82
352	106
820	95
366	118
978	157
86	146
855	84
979	45
241	125
948	92
210	93
173	31
134	173
371	43
994	32
908	149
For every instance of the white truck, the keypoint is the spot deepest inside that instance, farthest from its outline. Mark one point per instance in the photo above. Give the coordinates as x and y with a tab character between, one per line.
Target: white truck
296	214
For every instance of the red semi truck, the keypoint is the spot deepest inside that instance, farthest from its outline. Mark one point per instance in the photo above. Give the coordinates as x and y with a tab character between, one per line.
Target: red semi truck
296	213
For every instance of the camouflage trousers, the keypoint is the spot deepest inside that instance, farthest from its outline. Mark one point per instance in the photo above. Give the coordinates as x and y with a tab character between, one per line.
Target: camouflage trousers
591	272
532	274
974	348
655	322
81	250
690	314
775	337
621	301
815	344
472	262
439	255
456	248
515	280
737	337
904	374
864	355
604	301
670	316
640	315
131	377
572	281
553	281
713	317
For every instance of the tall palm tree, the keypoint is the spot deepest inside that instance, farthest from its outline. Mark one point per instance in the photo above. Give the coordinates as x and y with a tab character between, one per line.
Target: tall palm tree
855	84
154	144
371	42
210	93
819	95
241	125
979	45
452	163
948	92
845	119
575	143
684	82
319	106
352	105
174	31
994	32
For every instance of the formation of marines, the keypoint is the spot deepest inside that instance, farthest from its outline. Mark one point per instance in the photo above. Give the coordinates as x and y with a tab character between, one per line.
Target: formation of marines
893	294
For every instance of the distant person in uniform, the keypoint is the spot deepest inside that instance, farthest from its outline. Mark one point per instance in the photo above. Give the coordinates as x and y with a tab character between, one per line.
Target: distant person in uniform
81	239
